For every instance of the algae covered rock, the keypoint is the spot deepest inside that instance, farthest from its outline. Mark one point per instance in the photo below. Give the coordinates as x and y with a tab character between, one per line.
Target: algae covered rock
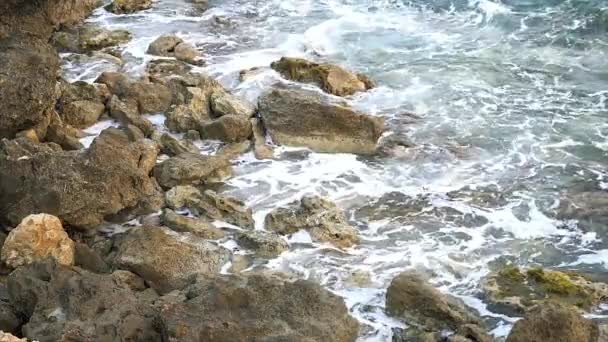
512	290
329	77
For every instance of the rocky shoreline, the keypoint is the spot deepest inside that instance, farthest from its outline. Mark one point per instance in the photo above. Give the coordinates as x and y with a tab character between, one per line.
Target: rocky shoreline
168	277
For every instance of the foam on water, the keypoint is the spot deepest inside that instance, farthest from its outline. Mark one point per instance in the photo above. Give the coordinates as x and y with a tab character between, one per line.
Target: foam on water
508	110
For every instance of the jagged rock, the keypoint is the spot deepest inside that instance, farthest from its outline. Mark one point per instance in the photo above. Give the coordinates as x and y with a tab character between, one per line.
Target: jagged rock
261	150
129	6
191	169
82	114
232	151
81	189
228	128
303	118
514	291
412	299
197	226
167	67
35	238
182	196
88	259
322	218
82	91
264	244
62	134
166	261
171	146
189	116
61	303
128	114
116	82
224	103
96	38
329	77
554	322
151	98
257	307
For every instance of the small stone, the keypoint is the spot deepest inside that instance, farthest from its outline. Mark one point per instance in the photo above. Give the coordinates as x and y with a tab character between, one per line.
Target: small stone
35	238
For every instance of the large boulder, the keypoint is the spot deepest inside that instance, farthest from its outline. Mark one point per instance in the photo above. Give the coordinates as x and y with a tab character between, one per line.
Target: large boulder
61	303
81	188
165	260
304	118
322	218
36	238
191	169
556	323
424	308
129	6
329	77
514	291
257	308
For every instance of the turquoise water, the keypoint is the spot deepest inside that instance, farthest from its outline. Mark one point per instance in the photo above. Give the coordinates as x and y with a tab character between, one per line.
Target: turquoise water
510	118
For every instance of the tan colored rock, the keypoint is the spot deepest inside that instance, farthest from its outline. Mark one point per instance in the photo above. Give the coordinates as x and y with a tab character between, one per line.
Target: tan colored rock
6	337
224	103
329	77
191	169
196	226
228	128
304	118
96	38
186	52
190	116
322	218
164	45
261	150
151	97
129	6
82	114
128	114
37	237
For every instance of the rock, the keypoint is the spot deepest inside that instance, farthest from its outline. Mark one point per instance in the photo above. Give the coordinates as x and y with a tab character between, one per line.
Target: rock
116	82
172	146
258	307
6	337
588	208
248	74
166	261
182	196
167	67
192	135
264	244
223	208
88	259
189	116
186	52
35	238
514	291
82	91
200	5
191	169
228	128
412	299
322	218
97	38
164	46
260	149
81	189
232	151
329	77
61	303
129	6
9	321
151	98
62	134
224	103
197	226
302	118
82	114
554	322
128	114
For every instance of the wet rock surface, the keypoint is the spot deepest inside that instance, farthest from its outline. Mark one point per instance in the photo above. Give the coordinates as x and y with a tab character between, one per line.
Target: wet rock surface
196	226
263	243
303	118
191	169
322	218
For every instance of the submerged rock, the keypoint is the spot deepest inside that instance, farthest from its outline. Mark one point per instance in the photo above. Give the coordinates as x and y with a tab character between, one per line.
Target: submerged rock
36	238
554	322
128	6
61	303
303	118
258	307
424	308
191	169
166	261
329	77
264	244
322	218
515	291
81	188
